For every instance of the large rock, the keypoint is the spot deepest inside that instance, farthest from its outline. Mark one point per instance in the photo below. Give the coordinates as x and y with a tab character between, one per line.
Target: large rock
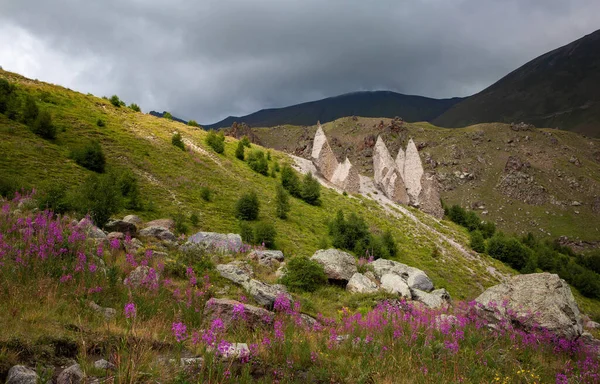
133	219
142	276
238	272
71	375
322	155
267	258
338	265
219	242
346	177
414	277
19	374
165	223
440	298
413	172
90	230
400	159
387	177
107	313
429	197
265	294
392	283
359	283
160	233
224	310
121	226
539	298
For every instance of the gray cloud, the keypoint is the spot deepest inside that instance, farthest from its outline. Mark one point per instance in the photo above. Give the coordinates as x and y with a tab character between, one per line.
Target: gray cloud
212	58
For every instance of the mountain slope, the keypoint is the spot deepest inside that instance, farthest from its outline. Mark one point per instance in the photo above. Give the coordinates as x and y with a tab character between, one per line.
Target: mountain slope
367	104
558	89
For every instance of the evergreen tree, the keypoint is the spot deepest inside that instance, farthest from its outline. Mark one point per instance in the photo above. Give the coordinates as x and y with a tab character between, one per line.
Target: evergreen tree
239	151
282	202
311	190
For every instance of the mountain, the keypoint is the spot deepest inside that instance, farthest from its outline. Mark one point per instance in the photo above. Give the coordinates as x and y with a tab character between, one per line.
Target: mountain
367	104
558	89
158	114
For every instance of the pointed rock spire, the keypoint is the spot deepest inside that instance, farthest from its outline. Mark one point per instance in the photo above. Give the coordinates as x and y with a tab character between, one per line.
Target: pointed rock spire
429	198
400	161
387	177
413	172
323	156
346	177
382	161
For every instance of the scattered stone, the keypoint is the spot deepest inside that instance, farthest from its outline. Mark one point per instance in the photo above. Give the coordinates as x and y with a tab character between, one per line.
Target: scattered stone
440	298
265	294
191	361
165	223
116	235
267	258
359	283
539	298
224	309
20	374
103	364
216	242
133	245
392	283
414	277
71	375
281	271
239	272
576	204
133	219
234	351
338	265
108	313
121	226
160	233
592	325
445	320
142	275
91	231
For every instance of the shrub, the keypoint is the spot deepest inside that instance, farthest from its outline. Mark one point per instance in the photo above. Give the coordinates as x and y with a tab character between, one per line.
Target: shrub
206	193
6	93
167	115
304	274
30	110
90	156
128	186
114	100
276	167
477	242
245	141
100	197
311	190
487	229
53	196
194	219
264	234
268	155
247	207
282	202
246	232
177	141
389	243
239	151
258	163
180	226
100	123
290	180
9	185
193	123
216	141
135	107
42	126
509	250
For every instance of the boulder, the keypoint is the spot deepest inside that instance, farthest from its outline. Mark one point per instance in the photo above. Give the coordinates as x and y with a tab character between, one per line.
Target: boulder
265	294
165	223
266	258
234	351
429	197
160	233
107	313
413	172
440	298
238	272
359	283
414	277
91	231
281	271
71	375
121	226
115	235
133	219
392	283
142	276
338	265
224	309
219	242
20	374
103	364
133	245
539	298
346	177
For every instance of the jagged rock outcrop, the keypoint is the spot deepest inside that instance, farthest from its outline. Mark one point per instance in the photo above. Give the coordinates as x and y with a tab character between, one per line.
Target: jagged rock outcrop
542	299
386	175
400	160
413	172
429	198
338	265
323	156
346	177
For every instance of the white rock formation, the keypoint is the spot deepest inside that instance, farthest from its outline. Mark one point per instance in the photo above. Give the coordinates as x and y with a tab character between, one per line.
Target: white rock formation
400	159
429	198
413	171
360	283
346	177
323	156
387	176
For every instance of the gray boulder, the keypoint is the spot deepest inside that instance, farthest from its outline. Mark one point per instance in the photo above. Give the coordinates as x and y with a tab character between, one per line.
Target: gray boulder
414	277
440	298
133	219
71	375
265	294
360	283
91	231
267	258
160	233
539	298
392	283
338	265
121	226
103	364
219	242
20	374
165	223
134	245
141	276
224	309
107	313
238	272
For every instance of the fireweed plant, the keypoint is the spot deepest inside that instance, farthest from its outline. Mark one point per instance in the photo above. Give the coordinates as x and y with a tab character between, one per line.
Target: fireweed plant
47	258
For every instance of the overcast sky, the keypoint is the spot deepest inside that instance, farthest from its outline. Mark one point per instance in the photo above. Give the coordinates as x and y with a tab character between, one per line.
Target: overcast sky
208	59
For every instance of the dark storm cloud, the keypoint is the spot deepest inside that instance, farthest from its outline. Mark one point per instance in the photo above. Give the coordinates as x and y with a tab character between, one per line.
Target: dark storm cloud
209	59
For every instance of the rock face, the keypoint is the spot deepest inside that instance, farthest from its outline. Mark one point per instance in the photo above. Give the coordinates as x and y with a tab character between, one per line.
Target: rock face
538	298
220	242
121	226
392	283
236	271
400	160
387	177
224	309
160	233
413	277
413	171
19	374
165	223
346	177
71	375
359	283
429	197
323	156
338	265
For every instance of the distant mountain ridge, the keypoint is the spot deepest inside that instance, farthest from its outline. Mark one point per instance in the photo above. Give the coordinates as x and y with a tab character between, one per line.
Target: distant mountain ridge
560	89
366	104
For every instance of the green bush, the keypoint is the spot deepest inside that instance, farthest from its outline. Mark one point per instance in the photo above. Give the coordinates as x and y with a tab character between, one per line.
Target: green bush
30	110
290	181
216	141
246	232
193	123
128	185
99	196
247	207
245	141
389	243
10	184
135	107
53	196
239	151
282	202
258	163
509	250
177	141
114	100
100	123
206	193
276	167
90	156
487	229
167	115
42	126
180	225
311	190
265	234
477	242
6	93
304	274
194	219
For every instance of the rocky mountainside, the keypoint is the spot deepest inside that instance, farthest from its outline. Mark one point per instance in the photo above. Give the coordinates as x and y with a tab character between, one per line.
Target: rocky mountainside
369	104
558	89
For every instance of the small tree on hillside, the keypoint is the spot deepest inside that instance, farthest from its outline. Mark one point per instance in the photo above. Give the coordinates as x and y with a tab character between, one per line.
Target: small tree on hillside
477	242
135	107
30	110
114	100
290	180
42	126
177	141
90	156
245	141
282	202
167	115
239	151
193	123
311	190
247	207
258	163
216	141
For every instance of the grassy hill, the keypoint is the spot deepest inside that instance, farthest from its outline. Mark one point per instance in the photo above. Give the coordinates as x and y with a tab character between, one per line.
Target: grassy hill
373	104
558	89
